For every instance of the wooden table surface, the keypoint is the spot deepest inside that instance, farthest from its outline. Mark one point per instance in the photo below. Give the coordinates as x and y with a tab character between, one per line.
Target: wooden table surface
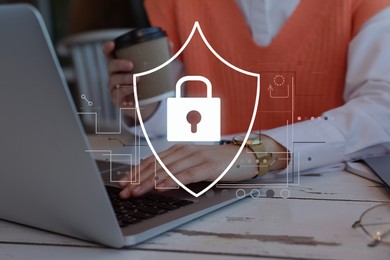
313	223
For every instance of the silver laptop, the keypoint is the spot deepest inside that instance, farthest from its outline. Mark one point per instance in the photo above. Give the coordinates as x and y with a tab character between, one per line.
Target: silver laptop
380	166
47	179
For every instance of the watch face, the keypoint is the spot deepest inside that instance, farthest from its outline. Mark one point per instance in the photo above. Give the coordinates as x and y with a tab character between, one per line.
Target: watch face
240	138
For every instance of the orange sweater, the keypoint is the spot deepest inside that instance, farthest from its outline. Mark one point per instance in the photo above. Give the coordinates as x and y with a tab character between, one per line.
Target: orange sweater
310	51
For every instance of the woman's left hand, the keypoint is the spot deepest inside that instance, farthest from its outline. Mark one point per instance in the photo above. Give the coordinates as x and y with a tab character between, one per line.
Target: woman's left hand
189	164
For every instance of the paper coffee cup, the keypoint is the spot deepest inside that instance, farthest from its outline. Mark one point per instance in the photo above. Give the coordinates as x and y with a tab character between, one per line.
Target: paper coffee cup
148	48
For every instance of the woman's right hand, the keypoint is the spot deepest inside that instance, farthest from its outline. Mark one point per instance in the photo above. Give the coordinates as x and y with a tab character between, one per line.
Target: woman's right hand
120	84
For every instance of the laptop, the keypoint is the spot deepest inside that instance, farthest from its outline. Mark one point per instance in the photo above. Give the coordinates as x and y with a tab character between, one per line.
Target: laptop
47	179
380	166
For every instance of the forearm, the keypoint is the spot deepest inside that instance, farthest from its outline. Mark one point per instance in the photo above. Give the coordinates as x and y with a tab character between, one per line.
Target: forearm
360	128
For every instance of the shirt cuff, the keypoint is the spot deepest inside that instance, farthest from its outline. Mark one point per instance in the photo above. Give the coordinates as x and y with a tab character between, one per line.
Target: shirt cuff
312	144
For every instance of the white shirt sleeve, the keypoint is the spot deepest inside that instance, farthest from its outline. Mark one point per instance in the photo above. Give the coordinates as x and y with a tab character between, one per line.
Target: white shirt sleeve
361	127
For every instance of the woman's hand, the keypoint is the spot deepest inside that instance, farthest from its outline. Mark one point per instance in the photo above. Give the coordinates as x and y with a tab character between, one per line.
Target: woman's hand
195	163
120	83
189	164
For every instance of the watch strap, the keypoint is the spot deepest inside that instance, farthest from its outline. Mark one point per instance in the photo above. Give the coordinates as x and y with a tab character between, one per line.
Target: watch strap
263	158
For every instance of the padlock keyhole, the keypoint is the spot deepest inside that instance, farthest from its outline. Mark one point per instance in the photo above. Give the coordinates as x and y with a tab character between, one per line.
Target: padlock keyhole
194	117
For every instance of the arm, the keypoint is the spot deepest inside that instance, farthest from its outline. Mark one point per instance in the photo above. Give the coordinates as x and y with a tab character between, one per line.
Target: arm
361	127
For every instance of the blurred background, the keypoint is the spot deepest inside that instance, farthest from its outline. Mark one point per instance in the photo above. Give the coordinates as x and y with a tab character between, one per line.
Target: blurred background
67	17
78	29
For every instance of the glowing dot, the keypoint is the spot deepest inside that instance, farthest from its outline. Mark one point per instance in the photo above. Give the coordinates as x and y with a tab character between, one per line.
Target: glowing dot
299	118
270	193
255	193
265	161
312	118
284	193
240	193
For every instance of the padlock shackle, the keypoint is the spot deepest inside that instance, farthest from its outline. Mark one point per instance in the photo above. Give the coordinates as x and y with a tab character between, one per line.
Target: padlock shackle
193	78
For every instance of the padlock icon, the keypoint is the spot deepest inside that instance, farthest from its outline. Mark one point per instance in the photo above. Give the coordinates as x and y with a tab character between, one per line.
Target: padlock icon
193	119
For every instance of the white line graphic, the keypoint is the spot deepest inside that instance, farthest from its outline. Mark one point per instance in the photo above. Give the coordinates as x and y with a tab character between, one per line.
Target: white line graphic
195	28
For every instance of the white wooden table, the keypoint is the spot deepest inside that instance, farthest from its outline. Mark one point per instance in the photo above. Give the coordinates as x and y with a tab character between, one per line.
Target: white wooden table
314	223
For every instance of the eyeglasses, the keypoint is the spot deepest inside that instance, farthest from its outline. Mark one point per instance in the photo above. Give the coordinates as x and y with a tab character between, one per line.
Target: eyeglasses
375	222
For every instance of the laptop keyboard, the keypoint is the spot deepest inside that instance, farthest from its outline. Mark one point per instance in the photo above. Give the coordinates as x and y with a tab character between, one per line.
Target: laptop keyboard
135	210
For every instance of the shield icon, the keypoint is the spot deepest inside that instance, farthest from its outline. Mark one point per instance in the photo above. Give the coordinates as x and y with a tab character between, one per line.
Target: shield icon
256	76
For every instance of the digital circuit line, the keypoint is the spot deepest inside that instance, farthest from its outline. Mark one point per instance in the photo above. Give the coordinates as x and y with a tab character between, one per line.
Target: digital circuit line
95	114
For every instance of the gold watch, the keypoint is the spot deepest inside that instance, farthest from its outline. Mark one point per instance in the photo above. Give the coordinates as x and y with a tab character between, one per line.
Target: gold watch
255	144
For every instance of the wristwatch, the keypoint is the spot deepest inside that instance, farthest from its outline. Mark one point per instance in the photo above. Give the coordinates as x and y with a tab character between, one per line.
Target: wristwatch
255	144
